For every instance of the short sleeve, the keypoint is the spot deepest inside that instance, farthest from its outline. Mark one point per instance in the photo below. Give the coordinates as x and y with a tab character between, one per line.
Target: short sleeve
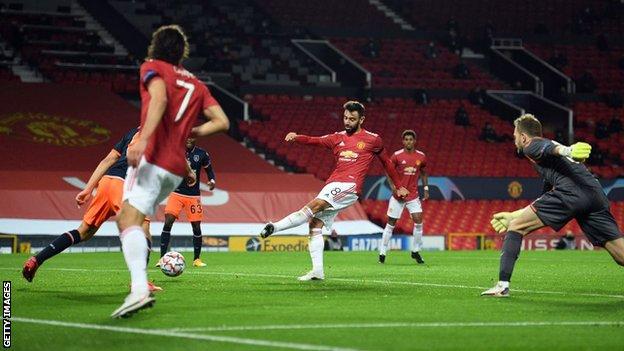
538	148
208	99
423	162
150	70
124	141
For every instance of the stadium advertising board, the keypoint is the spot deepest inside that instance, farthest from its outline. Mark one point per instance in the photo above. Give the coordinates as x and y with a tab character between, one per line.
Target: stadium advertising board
465	188
271	244
482	241
397	242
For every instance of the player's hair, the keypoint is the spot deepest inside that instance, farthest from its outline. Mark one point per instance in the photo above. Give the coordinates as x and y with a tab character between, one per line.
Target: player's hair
354	106
169	44
529	125
408	132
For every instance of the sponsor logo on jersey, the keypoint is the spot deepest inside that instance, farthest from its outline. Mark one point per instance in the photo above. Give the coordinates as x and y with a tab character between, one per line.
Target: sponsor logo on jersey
348	155
410	170
54	130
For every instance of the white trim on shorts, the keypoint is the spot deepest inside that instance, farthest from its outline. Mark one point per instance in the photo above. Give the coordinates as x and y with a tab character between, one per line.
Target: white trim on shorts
395	207
148	185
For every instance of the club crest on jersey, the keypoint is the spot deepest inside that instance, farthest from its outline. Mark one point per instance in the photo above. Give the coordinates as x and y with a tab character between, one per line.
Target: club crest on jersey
196	158
56	130
361	145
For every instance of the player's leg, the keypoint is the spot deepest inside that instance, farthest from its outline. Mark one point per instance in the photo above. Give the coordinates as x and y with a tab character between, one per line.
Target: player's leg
145	187
526	222
197	244
172	211
602	230
58	245
395	208
295	219
315	246
415	209
165	235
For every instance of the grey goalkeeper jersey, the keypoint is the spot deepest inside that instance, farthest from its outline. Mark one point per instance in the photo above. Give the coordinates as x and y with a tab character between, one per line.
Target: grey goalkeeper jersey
561	173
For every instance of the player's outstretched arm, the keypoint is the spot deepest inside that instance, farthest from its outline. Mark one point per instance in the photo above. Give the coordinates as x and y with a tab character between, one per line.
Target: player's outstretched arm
97	174
325	140
155	112
577	151
218	122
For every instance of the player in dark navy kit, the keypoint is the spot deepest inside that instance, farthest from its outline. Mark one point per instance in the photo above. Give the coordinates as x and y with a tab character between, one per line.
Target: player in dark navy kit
188	197
573	193
108	177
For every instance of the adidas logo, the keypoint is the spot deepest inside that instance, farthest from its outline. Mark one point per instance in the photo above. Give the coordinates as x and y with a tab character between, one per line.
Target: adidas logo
403	162
341	143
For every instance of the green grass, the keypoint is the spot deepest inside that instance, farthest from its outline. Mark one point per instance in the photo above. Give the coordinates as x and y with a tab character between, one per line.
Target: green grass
260	290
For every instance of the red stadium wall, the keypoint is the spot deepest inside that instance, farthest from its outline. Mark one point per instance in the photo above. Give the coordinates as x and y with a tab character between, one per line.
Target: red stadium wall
51	132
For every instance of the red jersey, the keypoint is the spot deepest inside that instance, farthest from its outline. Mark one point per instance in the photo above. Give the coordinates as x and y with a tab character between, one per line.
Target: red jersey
408	165
353	154
186	98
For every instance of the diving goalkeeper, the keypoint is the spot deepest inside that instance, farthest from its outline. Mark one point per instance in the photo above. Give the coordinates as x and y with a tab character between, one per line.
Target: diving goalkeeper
572	192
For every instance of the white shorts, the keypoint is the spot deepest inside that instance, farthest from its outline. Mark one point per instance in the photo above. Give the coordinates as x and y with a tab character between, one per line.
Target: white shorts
395	207
339	196
148	185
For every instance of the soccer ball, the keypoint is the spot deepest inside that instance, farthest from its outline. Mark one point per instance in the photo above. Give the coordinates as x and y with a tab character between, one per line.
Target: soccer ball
172	264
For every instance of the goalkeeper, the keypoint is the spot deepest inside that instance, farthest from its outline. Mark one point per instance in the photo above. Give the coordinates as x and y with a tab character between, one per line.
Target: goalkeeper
570	192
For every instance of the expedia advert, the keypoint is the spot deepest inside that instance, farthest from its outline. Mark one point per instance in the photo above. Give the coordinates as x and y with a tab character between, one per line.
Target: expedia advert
271	244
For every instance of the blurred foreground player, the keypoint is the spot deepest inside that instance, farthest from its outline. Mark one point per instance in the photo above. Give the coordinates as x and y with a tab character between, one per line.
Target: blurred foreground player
573	194
171	100
354	149
409	164
108	177
187	197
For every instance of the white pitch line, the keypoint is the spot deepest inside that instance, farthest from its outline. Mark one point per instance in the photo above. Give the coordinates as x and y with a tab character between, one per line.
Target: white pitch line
183	335
364	281
404	325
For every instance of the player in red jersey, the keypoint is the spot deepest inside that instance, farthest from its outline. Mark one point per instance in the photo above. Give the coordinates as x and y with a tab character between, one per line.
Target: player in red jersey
171	100
410	163
354	149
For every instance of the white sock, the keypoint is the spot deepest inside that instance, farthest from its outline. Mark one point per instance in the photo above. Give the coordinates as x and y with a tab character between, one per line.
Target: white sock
385	239
294	219
135	250
503	284
418	231
316	250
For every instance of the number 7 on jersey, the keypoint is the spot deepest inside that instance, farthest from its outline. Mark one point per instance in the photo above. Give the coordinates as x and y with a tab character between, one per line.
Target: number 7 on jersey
187	97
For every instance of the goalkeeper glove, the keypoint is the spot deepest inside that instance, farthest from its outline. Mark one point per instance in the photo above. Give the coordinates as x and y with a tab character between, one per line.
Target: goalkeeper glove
577	151
500	221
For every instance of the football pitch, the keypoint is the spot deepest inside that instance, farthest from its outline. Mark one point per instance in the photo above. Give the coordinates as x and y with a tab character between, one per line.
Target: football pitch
568	300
